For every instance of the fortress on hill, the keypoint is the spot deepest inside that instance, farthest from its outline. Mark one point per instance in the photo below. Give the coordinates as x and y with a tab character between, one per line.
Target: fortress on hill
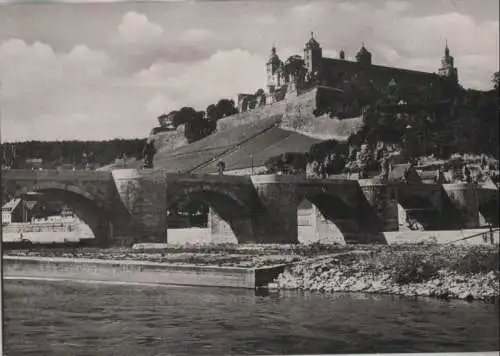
297	74
308	99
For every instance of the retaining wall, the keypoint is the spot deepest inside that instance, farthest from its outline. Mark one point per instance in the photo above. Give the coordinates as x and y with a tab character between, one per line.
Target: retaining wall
137	272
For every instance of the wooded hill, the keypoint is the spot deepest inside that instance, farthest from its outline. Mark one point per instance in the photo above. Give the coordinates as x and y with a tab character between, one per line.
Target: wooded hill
74	153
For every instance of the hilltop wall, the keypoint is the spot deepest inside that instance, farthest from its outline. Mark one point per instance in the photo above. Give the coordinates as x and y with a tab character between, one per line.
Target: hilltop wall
170	140
298	114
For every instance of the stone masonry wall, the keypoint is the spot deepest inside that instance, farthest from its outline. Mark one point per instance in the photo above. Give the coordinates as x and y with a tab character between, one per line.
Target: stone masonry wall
298	114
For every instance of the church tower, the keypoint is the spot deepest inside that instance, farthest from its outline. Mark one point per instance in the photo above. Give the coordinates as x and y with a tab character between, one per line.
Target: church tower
364	56
312	55
448	69
342	54
272	66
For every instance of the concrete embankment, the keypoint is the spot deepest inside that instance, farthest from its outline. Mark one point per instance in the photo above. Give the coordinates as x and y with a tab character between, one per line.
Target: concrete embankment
458	273
137	272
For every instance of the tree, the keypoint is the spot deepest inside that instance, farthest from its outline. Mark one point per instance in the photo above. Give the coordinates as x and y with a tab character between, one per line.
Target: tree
55	155
167	120
212	112
226	107
184	116
260	97
287	163
496	80
199	127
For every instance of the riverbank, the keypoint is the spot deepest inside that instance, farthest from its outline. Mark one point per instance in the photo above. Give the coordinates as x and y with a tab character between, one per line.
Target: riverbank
222	255
448	272
442	271
238	266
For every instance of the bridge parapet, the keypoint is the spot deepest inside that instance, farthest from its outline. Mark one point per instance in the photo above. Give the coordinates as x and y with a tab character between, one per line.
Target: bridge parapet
52	174
467	200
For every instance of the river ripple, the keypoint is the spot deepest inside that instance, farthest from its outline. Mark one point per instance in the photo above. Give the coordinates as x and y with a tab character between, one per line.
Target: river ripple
69	318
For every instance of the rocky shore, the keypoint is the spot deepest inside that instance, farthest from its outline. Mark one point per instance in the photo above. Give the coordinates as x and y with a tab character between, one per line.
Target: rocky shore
449	272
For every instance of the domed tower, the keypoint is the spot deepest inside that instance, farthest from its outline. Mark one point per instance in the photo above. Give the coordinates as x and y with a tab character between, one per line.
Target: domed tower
272	66
447	65
312	55
364	56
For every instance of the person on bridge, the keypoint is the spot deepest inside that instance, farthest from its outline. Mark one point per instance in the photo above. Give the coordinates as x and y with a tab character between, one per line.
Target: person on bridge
221	166
440	178
148	154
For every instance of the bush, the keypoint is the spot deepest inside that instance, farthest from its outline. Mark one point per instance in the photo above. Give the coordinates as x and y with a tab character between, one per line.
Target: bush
412	268
477	260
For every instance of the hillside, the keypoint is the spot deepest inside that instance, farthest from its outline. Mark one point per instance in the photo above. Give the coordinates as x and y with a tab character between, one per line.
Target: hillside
190	156
252	137
256	151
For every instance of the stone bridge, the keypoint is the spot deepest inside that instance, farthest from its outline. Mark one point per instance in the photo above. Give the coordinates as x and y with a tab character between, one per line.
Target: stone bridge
125	206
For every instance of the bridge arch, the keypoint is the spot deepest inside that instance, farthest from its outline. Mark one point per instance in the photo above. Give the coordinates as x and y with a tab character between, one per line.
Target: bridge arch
229	218
326	218
488	210
417	212
86	206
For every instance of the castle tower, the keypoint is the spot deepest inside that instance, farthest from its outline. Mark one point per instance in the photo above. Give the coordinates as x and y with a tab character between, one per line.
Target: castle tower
342	54
447	65
272	66
364	56
312	55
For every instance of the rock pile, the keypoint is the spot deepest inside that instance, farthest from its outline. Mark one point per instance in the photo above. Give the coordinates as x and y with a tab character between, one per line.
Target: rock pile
333	276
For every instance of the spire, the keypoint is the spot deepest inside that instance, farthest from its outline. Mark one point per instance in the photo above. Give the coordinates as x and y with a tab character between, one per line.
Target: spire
273	58
312	43
363	55
447	64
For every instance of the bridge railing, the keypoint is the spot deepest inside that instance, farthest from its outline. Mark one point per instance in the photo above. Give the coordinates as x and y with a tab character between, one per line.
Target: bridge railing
486	236
54	174
39	227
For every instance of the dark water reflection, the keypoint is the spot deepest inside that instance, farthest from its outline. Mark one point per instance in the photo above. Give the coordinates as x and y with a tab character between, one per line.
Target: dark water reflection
66	318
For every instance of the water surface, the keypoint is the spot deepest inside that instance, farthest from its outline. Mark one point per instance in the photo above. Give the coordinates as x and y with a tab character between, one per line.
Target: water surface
70	318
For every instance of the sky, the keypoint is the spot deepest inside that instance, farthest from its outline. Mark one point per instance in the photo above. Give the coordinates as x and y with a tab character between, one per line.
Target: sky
98	71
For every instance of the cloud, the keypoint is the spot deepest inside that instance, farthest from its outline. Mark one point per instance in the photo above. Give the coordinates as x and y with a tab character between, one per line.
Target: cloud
397	6
46	92
136	27
32	66
196	35
160	104
222	75
74	94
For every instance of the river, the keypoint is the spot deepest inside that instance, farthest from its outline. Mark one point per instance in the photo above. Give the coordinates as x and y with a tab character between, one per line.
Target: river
69	318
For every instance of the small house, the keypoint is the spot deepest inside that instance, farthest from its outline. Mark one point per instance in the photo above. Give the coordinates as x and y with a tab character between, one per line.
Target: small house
11	211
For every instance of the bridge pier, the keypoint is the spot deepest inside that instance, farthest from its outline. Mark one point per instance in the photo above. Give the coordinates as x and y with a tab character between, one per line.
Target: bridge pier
233	230
276	218
383	200
144	196
465	203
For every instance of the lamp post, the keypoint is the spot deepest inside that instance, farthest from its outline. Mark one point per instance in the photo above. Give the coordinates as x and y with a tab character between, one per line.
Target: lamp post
408	139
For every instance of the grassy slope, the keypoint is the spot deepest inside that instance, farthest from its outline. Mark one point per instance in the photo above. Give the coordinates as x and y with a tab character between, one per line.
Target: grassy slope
246	134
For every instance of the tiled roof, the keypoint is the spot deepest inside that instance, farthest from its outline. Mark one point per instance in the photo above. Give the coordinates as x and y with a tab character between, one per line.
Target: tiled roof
339	63
11	205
